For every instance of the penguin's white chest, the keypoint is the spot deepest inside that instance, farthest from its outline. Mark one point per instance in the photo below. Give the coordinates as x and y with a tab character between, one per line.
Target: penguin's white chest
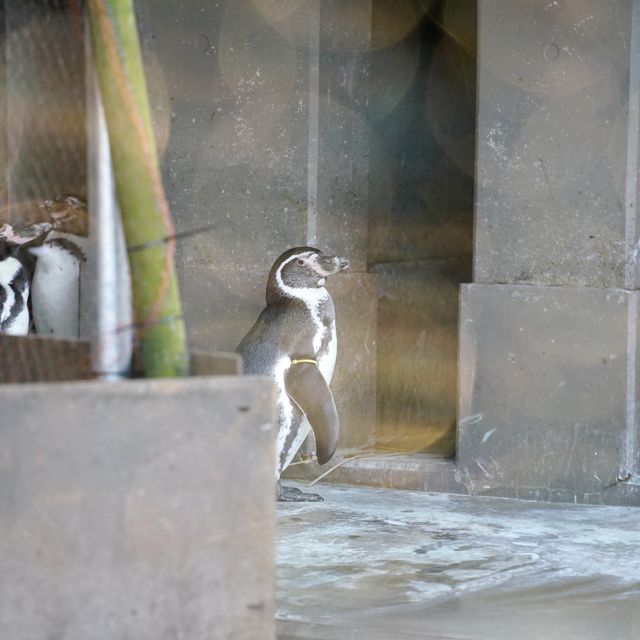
56	293
327	360
285	410
326	364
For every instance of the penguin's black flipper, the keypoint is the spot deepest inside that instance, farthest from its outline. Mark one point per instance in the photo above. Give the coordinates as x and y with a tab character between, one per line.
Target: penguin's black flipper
307	388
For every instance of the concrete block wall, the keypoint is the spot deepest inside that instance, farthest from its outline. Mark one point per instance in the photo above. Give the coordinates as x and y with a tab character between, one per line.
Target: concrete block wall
549	349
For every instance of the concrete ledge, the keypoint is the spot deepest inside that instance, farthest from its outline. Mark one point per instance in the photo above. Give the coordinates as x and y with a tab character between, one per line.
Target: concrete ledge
143	509
417	472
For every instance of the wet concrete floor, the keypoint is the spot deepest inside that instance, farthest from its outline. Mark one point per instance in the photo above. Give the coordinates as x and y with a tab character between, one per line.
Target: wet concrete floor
379	564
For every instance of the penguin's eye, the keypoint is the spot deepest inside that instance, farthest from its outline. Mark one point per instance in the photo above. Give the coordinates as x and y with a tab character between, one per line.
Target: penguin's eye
301	261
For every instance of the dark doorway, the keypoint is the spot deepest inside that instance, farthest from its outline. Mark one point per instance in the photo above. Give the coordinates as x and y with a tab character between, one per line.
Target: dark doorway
423	106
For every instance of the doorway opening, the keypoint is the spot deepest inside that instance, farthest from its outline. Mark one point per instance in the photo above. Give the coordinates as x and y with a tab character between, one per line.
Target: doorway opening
420	244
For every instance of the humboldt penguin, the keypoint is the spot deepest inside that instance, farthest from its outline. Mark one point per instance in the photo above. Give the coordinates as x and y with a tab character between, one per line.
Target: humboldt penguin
14	296
294	342
56	284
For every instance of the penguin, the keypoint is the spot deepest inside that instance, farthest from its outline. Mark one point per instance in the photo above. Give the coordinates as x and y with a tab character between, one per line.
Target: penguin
56	284
294	342
14	297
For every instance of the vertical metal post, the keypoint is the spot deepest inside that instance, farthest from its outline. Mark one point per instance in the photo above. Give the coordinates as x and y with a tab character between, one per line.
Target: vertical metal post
108	281
631	462
314	122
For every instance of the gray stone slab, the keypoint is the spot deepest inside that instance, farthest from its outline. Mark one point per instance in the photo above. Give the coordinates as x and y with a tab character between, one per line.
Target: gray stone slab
142	509
545	408
417	353
553	122
221	306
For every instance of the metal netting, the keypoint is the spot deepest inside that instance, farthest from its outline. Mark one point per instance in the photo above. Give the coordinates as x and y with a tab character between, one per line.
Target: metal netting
43	188
45	103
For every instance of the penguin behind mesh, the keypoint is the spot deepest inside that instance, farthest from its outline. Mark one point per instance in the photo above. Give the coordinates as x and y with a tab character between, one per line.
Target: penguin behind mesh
56	284
294	342
14	296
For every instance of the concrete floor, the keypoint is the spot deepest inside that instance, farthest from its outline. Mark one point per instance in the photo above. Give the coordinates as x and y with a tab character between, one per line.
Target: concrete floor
379	564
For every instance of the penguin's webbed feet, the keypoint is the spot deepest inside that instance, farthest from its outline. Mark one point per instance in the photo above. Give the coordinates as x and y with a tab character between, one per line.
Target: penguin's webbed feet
293	494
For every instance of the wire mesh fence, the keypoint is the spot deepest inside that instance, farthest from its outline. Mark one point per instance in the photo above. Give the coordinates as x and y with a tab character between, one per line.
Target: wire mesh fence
44	224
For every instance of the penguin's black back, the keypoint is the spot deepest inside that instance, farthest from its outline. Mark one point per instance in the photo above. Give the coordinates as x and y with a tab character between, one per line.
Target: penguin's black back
286	328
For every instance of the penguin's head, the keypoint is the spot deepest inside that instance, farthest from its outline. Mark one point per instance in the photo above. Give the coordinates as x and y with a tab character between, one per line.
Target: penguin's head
302	268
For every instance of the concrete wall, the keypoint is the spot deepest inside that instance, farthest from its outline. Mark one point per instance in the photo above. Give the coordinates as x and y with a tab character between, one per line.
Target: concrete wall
548	357
4	163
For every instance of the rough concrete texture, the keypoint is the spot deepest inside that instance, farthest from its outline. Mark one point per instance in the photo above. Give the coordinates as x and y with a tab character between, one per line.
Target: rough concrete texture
388	565
221	306
232	99
553	121
142	509
260	145
417	354
341	189
545	407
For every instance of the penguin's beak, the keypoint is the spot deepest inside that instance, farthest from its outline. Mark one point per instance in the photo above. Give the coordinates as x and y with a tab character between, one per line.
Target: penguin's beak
329	265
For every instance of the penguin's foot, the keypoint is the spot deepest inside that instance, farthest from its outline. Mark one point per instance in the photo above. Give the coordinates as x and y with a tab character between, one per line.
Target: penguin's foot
293	494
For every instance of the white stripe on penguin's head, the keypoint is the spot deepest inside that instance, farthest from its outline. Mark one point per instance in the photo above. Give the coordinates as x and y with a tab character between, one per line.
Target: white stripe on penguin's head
304	260
301	273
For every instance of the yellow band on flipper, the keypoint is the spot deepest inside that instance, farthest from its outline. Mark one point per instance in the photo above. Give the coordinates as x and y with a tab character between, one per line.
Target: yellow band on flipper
304	361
